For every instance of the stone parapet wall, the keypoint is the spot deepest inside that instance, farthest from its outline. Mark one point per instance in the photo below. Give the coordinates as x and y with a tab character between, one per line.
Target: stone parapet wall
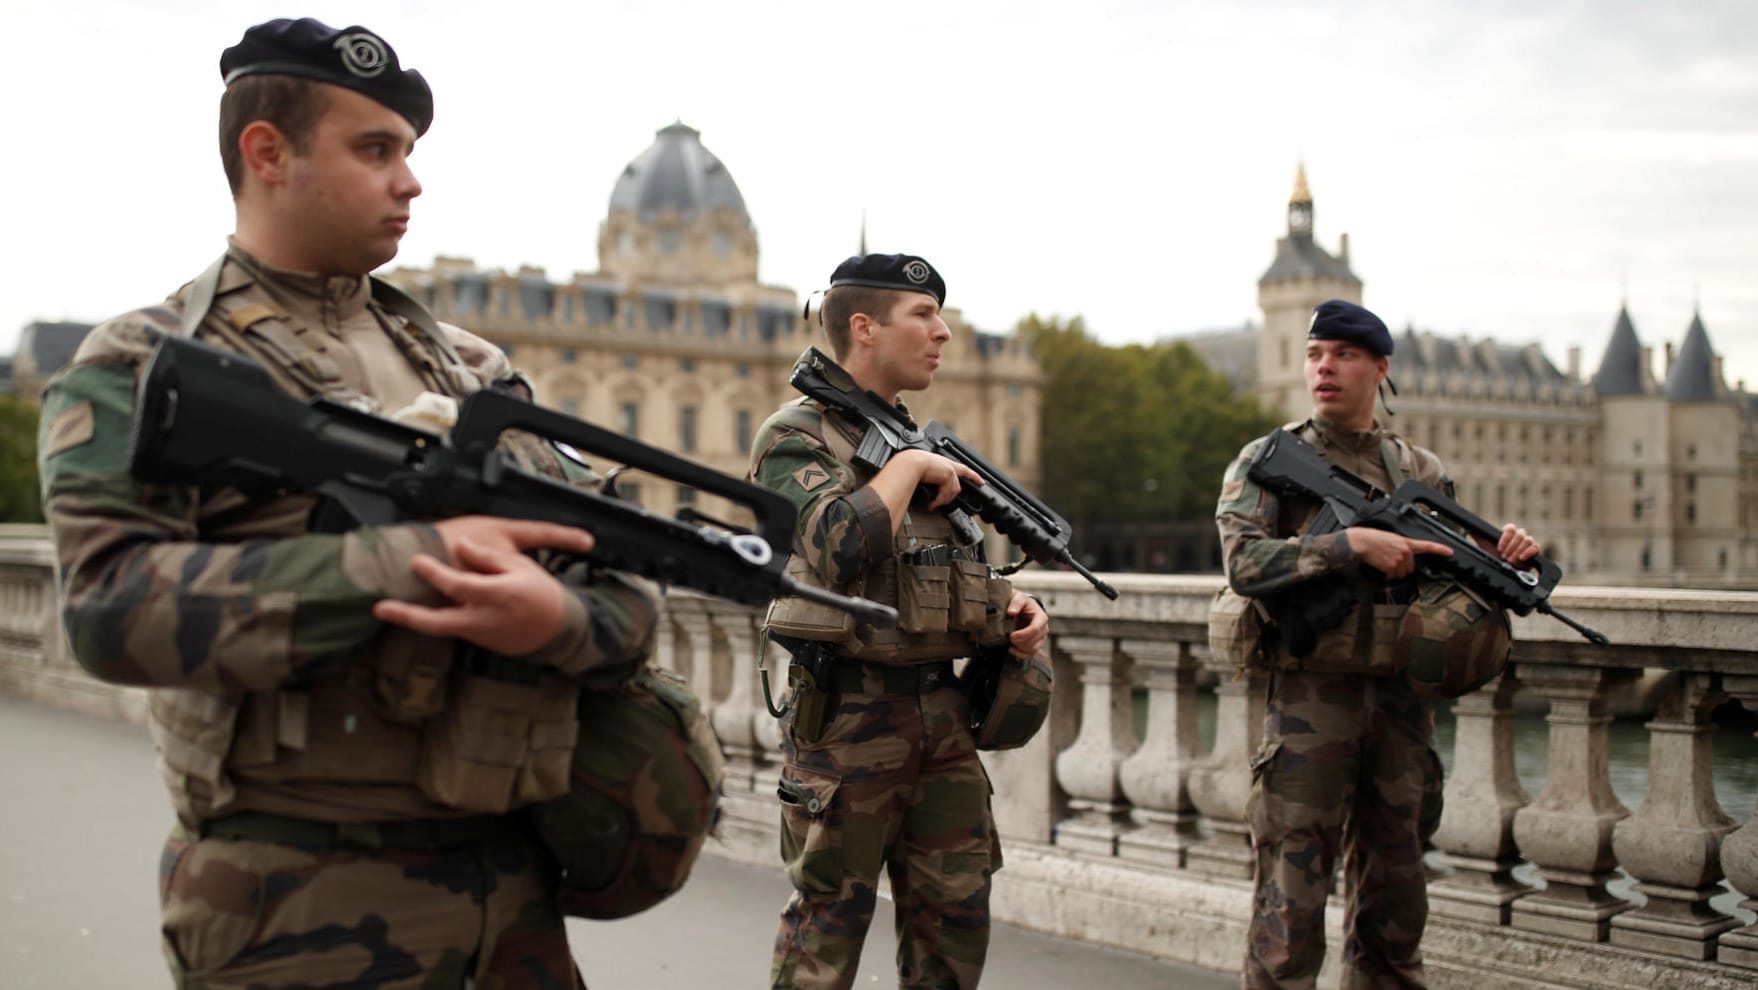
1141	843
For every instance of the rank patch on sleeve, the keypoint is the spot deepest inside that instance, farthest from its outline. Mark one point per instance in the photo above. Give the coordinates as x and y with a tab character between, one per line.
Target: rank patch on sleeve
811	477
70	429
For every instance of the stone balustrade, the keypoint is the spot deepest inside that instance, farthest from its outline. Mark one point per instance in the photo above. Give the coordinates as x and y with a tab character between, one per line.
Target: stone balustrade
1141	843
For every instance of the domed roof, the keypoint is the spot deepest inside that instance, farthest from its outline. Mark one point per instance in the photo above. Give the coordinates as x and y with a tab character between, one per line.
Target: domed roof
676	171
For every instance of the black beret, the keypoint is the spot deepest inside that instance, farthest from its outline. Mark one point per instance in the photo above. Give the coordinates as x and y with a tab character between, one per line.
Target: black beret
353	57
1335	319
904	272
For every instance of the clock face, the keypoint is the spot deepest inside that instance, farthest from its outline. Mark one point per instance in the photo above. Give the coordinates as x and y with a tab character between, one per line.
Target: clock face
1299	216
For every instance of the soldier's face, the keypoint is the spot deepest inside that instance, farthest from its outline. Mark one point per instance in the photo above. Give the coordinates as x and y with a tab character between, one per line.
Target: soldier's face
907	343
350	192
1343	379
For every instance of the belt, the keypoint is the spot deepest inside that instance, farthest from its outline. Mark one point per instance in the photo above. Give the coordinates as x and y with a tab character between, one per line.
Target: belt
414	834
850	676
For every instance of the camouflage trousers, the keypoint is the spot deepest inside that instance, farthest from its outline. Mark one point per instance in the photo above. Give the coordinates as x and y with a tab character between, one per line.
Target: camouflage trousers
893	782
239	914
1346	766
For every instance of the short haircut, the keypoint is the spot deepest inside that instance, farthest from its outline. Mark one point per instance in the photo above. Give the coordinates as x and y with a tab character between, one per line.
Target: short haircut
844	301
292	104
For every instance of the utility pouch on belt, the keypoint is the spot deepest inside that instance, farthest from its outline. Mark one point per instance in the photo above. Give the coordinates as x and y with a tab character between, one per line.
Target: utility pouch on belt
970	594
996	624
808	685
1236	628
924	590
501	742
802	619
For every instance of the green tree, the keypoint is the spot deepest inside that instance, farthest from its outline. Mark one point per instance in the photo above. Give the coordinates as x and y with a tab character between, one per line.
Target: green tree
19	501
1134	433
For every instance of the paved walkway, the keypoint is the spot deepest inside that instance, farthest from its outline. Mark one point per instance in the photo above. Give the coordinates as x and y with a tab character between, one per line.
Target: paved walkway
83	816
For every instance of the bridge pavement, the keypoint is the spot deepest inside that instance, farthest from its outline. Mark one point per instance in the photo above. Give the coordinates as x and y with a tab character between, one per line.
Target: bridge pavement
83	814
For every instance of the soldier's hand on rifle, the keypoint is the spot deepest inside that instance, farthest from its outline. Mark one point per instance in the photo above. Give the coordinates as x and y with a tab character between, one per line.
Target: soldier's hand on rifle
1516	545
1034	626
1387	552
501	600
897	482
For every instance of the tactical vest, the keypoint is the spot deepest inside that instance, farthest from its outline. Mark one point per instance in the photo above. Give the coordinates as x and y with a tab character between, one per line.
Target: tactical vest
398	715
1366	642
945	610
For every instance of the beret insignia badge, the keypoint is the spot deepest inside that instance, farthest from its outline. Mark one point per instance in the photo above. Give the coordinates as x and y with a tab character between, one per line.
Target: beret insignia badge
363	54
916	271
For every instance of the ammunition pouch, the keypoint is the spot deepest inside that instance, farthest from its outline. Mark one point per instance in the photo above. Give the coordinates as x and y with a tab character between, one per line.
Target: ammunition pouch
1347	628
504	739
799	618
1236	629
1009	698
810	696
643	795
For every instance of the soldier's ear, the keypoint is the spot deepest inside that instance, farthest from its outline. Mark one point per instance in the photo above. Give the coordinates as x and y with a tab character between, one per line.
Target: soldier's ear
265	152
861	328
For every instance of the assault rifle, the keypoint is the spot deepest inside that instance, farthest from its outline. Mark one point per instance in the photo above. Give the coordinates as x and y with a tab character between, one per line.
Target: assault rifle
1287	465
214	417
1030	524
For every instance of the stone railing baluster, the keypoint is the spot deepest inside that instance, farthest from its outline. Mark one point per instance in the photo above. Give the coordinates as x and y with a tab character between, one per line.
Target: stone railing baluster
1672	844
1566	830
1482	795
1739	855
1221	780
734	717
1087	769
1156	776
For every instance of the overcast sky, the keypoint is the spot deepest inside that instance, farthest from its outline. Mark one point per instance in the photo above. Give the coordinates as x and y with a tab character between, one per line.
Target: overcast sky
1506	169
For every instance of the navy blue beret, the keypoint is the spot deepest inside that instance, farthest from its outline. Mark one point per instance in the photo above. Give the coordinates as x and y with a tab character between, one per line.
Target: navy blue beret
1335	319
904	272
352	57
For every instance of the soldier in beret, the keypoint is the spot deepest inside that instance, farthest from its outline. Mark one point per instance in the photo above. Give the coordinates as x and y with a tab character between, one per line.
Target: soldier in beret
1347	763
337	824
886	773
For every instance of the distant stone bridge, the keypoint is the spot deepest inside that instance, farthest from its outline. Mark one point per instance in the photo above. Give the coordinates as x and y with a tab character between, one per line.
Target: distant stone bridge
1141	843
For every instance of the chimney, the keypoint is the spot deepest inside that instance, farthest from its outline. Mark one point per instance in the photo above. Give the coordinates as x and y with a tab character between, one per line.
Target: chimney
1575	362
1647	367
1715	375
1343	247
1669	358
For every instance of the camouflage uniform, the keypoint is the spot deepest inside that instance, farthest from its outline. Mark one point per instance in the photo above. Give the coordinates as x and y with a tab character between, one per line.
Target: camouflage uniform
275	701
894	780
1347	762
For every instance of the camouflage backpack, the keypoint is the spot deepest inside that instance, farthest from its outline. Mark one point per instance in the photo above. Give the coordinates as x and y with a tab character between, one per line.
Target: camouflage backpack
644	794
1453	641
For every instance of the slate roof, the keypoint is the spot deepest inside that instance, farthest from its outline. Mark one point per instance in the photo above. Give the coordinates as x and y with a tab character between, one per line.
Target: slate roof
1620	370
1299	256
1692	377
676	171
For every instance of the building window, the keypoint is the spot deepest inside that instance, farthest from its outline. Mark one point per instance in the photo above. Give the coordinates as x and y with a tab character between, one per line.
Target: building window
1690	452
1721	558
1501	502
1636	446
742	370
1636	509
1568	503
568	355
1014	391
631	492
506	303
742	430
687	365
687	429
1690	482
1013	444
686	496
1587	505
631	418
630	361
1647	558
571	406
568	309
1638	480
1690	513
507	349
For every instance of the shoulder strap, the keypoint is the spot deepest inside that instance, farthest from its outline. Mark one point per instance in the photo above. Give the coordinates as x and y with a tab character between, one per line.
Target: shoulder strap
1392	455
398	302
201	298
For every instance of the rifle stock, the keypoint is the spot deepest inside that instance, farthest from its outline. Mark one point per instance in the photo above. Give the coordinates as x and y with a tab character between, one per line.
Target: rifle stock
1287	465
999	501
209	416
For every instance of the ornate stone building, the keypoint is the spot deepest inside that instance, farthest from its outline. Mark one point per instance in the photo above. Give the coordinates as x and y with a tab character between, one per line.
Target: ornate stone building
674	340
1626	478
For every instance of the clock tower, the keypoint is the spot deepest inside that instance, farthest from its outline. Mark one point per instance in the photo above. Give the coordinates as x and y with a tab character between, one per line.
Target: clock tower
1301	276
